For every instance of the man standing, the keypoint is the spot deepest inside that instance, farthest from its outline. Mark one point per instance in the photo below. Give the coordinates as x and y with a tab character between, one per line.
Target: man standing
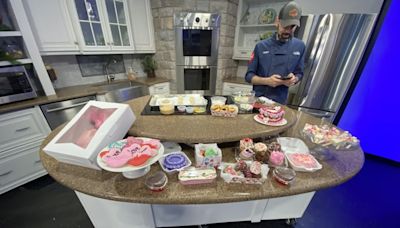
278	62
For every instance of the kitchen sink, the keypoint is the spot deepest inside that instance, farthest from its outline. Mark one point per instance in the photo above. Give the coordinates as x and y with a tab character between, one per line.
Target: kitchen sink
125	94
115	85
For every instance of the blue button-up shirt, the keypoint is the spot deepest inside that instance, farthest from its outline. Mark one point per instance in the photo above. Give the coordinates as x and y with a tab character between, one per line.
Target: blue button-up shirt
272	56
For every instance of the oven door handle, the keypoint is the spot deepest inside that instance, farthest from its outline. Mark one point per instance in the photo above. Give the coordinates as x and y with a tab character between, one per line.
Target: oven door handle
196	67
67	107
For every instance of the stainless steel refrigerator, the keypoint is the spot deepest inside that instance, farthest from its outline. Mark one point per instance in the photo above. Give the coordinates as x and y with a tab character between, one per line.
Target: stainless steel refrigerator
335	44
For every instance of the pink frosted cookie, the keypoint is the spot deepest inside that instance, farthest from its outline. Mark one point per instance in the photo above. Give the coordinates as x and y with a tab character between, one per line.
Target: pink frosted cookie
132	140
276	158
116	157
153	143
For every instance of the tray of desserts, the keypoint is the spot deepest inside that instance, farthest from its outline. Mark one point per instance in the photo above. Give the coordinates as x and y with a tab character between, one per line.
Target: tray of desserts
329	137
179	104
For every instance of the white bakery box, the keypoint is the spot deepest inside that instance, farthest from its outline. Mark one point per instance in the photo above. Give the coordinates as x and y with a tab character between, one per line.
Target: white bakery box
95	126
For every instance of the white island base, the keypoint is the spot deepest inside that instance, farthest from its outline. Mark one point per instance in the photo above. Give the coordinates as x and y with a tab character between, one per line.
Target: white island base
109	213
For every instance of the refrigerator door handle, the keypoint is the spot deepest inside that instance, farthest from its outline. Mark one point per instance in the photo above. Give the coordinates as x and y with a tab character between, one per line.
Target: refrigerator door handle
320	46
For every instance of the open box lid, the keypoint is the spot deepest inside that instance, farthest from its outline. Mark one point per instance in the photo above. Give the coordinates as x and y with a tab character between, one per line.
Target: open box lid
95	126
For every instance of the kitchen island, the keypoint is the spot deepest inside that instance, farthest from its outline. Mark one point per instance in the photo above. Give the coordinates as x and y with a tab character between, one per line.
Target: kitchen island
112	200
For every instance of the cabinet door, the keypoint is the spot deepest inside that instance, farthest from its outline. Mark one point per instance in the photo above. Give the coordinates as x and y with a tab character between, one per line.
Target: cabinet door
142	26
118	24
89	22
52	26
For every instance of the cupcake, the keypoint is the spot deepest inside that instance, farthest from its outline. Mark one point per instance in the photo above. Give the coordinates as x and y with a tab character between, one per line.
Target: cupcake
246	154
246	143
276	158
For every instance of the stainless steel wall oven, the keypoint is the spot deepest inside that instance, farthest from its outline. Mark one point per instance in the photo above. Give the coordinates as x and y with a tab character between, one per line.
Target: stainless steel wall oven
196	43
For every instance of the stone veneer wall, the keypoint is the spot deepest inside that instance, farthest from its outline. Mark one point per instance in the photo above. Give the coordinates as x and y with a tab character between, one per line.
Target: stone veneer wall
163	14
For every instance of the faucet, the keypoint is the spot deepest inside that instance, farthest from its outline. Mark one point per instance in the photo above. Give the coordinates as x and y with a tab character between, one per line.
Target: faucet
109	77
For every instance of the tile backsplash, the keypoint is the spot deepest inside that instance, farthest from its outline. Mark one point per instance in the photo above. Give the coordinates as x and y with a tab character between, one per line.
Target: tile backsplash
69	74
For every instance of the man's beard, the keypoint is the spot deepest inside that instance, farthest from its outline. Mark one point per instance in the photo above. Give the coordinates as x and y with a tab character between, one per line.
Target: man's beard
284	36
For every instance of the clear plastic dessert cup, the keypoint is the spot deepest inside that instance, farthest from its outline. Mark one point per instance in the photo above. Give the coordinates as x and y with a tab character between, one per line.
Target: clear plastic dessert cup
218	100
157	181
284	175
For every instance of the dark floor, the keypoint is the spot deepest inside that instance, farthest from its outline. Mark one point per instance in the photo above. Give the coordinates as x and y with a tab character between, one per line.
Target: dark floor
370	199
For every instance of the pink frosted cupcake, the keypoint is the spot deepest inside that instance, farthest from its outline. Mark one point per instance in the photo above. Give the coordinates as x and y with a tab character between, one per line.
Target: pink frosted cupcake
246	143
276	158
246	154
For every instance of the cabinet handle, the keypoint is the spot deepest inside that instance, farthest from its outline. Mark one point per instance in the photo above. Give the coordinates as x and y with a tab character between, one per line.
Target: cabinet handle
22	129
63	108
6	173
243	52
38	161
76	43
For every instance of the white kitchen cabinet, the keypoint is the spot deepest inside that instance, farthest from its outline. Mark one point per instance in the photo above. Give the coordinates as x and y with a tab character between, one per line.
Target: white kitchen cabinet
159	88
142	26
52	27
229	88
255	21
21	134
102	25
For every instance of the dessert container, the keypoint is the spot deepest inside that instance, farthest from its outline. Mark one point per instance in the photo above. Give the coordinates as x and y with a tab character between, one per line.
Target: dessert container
303	162
284	175
193	175
174	161
207	155
95	126
244	100
241	179
167	107
157	181
224	110
189	109
218	100
181	108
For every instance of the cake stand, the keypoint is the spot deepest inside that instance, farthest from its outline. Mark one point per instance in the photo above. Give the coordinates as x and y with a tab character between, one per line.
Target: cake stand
130	171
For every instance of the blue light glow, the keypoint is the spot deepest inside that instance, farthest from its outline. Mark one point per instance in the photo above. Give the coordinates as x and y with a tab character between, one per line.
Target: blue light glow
373	112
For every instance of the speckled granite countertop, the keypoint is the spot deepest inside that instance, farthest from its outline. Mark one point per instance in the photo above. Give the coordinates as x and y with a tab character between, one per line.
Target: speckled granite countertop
200	128
74	92
114	186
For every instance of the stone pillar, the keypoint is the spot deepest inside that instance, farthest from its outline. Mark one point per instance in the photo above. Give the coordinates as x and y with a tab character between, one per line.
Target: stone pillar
163	12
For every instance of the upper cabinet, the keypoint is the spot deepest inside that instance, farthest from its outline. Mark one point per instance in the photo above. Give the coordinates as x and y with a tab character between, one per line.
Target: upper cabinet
142	26
102	25
92	26
52	26
255	22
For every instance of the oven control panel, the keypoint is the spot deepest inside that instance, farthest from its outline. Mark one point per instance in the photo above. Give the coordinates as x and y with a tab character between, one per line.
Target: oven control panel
201	20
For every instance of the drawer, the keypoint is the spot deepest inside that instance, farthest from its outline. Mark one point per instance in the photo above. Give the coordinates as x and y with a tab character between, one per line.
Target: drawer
19	169
230	88
20	127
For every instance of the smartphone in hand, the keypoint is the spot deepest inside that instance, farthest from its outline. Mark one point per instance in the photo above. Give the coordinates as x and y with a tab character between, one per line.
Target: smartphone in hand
286	77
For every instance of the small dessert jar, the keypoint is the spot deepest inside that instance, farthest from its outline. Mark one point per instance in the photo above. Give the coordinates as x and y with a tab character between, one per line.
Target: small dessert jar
157	181
189	109
166	107
284	175
181	108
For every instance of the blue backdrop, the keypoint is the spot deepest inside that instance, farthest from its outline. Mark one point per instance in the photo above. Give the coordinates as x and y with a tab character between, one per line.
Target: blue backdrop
373	112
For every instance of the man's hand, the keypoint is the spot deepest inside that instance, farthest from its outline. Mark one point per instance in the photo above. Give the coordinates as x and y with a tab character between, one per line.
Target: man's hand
274	81
290	82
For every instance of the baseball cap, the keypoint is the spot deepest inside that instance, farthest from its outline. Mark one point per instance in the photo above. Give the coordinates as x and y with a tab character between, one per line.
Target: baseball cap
290	14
